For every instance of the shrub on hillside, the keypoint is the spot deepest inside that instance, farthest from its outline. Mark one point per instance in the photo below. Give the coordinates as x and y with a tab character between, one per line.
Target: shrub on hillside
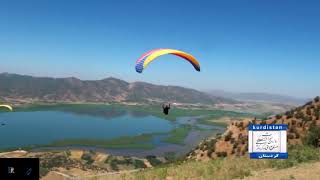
114	165
87	158
211	144
68	153
317	115
313	123
308	111
244	140
139	164
228	136
153	160
263	122
235	145
306	118
240	125
222	154
289	114
298	154
209	152
317	99
299	115
233	151
254	121
313	137
291	130
238	150
290	136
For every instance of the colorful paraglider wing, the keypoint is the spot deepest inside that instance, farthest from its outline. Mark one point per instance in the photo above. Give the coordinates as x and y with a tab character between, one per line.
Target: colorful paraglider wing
146	54
149	56
6	106
139	62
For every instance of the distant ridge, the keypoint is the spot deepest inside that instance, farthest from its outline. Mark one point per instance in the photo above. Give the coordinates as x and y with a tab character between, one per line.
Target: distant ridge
46	89
259	97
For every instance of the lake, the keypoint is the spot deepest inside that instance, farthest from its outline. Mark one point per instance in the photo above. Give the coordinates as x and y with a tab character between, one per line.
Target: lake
46	126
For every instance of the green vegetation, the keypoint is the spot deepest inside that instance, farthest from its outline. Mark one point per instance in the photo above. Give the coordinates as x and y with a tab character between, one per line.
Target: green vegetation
87	157
170	156
56	161
228	136
226	168
297	154
313	137
114	165
212	122
214	118
139	164
135	142
115	161
177	136
153	160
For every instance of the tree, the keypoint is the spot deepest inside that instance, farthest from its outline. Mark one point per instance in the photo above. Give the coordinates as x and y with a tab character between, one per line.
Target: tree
308	111
254	121
299	115
313	137
263	122
306	118
290	136
318	116
222	154
228	136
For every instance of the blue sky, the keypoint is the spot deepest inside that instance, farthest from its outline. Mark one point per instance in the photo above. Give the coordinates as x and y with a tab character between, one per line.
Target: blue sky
245	46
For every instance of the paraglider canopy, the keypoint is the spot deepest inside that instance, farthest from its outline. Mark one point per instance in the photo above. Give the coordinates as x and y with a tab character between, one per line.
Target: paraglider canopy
6	106
149	56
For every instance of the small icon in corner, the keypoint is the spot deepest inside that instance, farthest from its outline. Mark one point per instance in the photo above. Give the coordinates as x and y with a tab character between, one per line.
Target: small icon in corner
10	170
28	172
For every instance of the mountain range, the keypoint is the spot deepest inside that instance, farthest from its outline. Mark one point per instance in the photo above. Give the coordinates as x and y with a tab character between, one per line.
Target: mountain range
259	97
46	89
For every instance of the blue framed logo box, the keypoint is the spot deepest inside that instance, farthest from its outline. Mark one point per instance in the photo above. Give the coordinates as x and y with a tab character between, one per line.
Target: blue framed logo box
267	141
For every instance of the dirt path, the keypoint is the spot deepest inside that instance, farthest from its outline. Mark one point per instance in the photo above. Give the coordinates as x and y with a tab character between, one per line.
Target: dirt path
56	176
310	171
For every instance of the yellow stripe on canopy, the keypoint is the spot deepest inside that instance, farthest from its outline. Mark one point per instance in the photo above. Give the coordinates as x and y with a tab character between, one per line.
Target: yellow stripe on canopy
6	106
161	52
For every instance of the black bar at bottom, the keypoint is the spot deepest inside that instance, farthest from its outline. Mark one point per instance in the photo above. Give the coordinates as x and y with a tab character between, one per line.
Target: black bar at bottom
19	168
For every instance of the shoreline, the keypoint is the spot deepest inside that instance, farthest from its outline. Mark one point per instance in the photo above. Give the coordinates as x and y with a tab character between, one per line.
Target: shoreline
192	117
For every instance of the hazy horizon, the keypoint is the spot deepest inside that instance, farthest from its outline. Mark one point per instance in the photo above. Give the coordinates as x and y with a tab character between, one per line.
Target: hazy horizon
243	46
203	90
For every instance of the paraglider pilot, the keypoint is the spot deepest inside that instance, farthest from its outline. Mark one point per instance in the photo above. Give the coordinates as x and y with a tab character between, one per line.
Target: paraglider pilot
166	109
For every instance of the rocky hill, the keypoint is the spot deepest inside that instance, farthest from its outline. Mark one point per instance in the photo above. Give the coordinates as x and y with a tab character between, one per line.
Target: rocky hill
234	142
20	88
